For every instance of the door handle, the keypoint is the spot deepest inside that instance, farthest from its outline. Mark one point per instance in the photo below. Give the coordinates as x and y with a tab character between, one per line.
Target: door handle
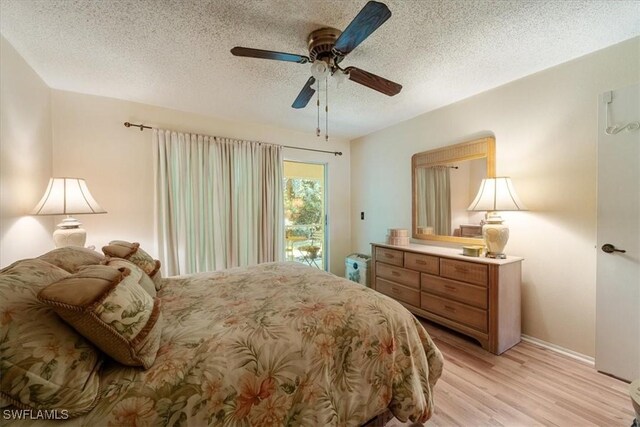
609	248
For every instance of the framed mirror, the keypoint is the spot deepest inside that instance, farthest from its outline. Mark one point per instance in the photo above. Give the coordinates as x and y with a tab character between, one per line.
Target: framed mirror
444	183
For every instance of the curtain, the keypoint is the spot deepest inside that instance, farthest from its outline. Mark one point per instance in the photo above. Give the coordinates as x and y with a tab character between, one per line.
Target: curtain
219	202
434	199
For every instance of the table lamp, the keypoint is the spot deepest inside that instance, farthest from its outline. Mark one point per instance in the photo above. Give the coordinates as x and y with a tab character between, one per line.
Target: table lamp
496	194
68	196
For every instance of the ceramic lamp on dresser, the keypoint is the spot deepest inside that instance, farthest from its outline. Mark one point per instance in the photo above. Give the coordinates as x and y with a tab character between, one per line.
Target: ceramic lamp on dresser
496	194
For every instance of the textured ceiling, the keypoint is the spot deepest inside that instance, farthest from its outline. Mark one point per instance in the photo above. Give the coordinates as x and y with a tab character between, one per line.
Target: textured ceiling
176	53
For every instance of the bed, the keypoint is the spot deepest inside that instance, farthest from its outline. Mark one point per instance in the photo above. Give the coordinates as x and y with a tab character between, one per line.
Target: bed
270	345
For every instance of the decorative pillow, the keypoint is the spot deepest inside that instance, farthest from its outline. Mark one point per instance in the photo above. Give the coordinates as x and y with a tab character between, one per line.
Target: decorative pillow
158	281
71	258
109	308
45	364
139	276
132	252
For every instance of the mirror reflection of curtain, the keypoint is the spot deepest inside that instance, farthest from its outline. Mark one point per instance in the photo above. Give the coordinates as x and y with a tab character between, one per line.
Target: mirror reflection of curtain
434	199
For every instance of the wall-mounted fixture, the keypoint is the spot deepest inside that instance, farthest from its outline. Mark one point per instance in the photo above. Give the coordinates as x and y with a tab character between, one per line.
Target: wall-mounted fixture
619	127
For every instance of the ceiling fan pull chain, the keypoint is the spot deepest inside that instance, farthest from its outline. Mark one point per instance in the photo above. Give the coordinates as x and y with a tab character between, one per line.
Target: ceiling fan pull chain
326	108
318	104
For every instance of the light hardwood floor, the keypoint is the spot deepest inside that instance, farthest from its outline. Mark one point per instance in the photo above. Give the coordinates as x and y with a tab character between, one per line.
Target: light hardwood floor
526	386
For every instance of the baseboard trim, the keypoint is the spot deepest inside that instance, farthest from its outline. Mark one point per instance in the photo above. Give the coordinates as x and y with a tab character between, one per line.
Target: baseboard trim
558	349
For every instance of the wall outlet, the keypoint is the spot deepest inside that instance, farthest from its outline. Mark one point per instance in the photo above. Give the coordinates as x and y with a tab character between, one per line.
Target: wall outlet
361	215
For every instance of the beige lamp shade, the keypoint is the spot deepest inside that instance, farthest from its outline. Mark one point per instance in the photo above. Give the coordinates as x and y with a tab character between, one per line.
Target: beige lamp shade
68	196
496	194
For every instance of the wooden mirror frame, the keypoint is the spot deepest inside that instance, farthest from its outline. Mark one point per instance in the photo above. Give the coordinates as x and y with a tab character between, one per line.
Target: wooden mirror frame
470	150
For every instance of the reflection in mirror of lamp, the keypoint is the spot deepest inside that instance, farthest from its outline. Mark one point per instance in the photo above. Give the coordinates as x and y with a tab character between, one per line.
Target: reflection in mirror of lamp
445	181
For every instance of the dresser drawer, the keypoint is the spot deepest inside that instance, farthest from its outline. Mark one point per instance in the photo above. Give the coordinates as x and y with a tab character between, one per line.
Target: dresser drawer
398	275
389	256
458	291
461	313
421	262
465	271
398	292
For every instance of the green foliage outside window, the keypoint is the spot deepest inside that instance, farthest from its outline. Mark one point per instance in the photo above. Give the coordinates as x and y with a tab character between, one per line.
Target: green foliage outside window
302	203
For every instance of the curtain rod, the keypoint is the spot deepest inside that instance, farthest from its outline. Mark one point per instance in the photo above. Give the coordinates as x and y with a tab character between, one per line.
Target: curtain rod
335	153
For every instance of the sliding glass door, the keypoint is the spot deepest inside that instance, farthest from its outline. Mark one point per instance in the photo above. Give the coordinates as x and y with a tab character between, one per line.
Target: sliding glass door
305	213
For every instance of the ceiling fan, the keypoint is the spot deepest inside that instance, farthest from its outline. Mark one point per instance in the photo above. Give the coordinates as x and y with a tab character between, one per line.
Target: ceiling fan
328	47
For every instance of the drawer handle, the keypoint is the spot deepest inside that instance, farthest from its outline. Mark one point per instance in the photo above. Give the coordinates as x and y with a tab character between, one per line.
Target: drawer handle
451	288
421	262
395	273
395	290
461	269
449	308
387	255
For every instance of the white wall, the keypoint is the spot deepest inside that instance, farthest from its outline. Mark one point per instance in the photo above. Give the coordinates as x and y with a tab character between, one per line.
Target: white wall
90	141
459	189
25	157
546	131
465	182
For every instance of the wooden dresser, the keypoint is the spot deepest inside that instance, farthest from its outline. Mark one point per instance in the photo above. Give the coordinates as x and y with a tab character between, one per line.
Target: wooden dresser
479	297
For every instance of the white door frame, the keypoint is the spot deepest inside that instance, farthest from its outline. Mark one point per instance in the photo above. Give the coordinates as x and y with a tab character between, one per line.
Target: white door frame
326	248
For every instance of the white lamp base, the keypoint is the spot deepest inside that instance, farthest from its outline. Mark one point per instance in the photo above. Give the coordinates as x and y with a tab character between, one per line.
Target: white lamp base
496	235
69	233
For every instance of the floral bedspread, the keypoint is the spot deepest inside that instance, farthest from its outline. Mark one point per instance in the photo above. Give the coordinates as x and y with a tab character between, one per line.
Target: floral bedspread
276	344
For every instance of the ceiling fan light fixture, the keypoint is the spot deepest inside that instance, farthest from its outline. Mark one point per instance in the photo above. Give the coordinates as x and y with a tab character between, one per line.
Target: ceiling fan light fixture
320	70
340	77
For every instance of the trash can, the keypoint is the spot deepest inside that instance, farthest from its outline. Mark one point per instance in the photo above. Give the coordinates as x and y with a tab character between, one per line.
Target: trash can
358	268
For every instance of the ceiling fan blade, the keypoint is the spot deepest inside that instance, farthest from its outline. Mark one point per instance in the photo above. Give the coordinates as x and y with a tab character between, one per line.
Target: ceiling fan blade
305	94
269	54
372	81
372	16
